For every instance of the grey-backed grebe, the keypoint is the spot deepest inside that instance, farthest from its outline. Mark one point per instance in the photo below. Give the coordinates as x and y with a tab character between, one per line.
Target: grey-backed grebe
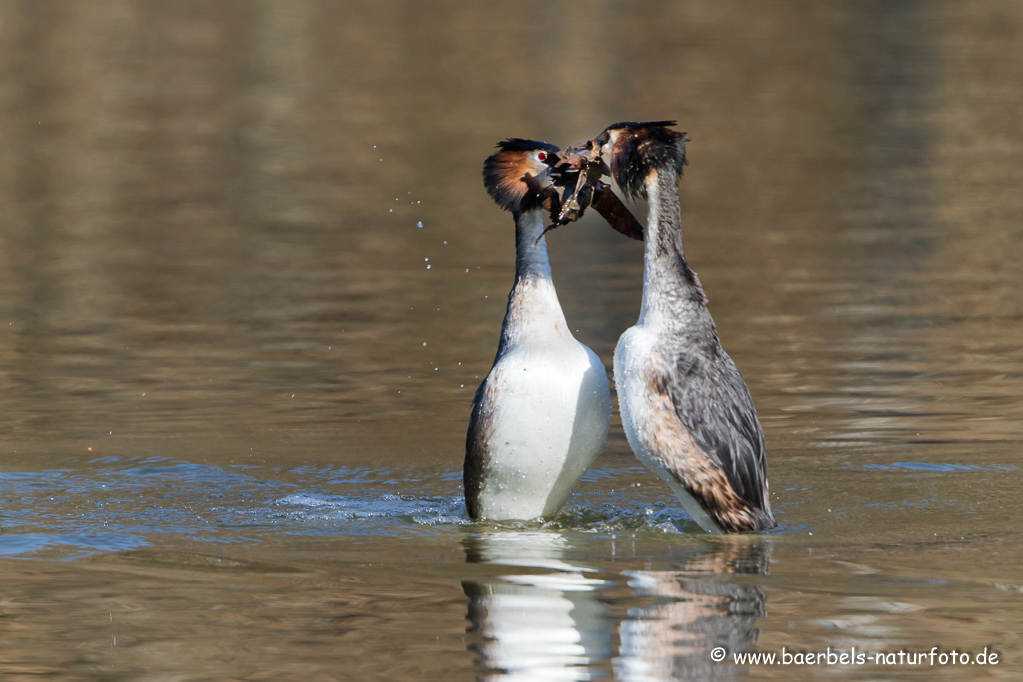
686	410
541	416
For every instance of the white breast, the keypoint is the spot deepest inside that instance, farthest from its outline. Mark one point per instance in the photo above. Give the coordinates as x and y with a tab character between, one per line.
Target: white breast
551	408
633	353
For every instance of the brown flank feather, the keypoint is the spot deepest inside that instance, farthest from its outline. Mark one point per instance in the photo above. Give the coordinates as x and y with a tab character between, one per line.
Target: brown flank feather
691	467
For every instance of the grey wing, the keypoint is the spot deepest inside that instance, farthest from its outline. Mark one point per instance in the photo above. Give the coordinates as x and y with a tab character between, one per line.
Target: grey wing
476	453
712	401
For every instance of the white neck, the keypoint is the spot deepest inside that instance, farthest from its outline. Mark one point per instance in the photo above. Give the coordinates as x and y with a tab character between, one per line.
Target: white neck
531	249
671	290
534	312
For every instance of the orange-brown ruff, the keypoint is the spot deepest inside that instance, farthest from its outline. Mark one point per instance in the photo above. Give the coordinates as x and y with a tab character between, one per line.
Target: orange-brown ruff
686	410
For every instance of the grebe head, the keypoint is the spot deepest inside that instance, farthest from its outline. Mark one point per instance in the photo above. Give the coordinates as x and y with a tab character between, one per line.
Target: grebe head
638	149
517	176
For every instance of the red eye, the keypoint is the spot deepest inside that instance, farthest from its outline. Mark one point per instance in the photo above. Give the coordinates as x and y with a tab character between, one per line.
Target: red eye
542	156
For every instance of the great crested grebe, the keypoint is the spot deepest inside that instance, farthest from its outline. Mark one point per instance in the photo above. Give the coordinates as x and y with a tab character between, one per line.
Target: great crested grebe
541	416
686	410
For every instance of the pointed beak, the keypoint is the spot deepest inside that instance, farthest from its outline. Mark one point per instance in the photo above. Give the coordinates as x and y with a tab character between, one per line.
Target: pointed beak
606	141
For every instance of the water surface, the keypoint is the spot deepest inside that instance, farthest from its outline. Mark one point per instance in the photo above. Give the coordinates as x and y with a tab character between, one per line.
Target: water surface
249	280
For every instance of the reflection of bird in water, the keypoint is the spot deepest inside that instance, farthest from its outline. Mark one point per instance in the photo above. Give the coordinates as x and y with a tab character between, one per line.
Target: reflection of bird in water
695	611
686	410
529	626
541	416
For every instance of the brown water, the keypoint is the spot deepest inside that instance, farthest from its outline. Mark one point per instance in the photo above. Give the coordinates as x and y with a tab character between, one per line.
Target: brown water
249	280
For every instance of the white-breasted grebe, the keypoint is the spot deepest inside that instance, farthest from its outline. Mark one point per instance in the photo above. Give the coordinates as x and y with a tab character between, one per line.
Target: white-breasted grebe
541	416
686	410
